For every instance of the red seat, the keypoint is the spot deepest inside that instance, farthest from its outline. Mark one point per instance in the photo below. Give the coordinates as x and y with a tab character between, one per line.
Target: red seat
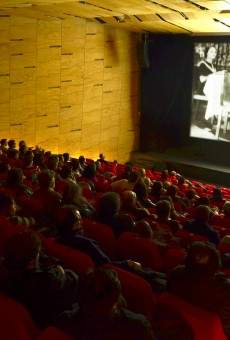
103	234
137	292
15	321
52	333
204	324
72	258
130	246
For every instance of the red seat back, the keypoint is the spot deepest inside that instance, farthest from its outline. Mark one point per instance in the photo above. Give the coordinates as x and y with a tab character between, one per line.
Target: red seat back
137	292
103	234
130	246
51	333
16	323
72	258
204	324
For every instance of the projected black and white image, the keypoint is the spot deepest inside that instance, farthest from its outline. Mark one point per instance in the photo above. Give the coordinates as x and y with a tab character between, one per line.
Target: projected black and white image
211	91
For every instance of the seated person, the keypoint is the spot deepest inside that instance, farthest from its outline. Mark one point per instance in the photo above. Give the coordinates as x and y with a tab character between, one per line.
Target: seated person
3	145
108	207
200	225
217	199
142	194
200	283
103	314
29	169
125	184
223	219
47	290
46	201
8	210
131	205
11	144
71	233
157	191
122	223
177	200
13	158
16	188
167	227
143	229
22	148
67	174
66	157
73	195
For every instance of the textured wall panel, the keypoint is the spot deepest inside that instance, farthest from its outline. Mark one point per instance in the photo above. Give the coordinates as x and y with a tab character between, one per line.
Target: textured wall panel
69	85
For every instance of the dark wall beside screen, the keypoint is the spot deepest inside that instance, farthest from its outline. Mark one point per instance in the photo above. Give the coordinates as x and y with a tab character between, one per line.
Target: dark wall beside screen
166	101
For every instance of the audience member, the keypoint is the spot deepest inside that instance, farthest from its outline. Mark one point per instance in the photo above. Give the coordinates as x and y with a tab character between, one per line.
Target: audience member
200	283
200	225
47	291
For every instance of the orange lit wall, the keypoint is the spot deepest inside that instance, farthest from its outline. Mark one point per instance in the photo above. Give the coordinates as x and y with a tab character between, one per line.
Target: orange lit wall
69	85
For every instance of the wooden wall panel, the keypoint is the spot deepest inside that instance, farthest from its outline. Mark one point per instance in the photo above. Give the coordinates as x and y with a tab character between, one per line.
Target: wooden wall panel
70	85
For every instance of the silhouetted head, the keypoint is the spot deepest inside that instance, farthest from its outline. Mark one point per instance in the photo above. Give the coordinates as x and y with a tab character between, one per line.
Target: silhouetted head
15	177
143	229
21	249
46	179
163	209
203	258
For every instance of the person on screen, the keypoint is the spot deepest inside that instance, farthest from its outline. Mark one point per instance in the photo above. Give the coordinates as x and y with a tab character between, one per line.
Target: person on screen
205	68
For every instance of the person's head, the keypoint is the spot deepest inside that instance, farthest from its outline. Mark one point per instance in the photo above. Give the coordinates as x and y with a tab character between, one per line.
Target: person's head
12	144
101	157
66	172
7	205
38	159
75	164
172	191
142	172
52	162
81	160
123	223
164	175
22	144
226	208
3	142
22	147
157	188
143	229
163	209
12	154
181	180
202	213
66	157
211	53
148	184
203	258
69	221
28	158
15	177
133	177
190	194
72	194
46	179
100	293
90	171
109	205
129	199
21	250
217	194
141	190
